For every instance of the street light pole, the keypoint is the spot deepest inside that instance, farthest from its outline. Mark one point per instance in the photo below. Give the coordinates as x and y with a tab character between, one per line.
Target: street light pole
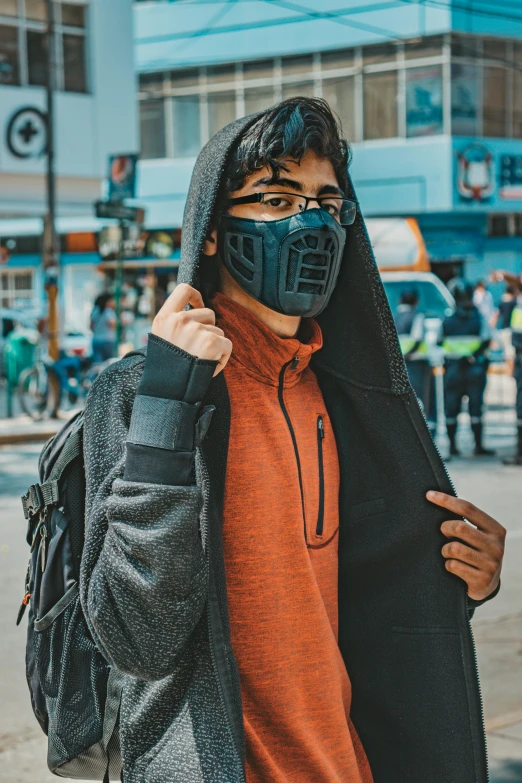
50	249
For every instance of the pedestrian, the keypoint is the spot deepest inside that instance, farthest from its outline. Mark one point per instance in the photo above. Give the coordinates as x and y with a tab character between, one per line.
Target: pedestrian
465	338
103	327
259	546
503	325
515	283
410	323
483	301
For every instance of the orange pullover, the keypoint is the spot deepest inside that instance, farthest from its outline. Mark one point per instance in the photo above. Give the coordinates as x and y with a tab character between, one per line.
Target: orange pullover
280	529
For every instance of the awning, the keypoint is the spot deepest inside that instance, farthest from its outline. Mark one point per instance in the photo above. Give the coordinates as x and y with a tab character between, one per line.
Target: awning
398	244
33	227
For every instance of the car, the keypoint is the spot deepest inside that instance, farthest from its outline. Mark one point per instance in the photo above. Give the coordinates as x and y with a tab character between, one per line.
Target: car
435	301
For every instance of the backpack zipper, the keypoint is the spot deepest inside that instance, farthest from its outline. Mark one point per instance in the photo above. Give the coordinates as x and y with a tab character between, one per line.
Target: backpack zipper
292	364
320	514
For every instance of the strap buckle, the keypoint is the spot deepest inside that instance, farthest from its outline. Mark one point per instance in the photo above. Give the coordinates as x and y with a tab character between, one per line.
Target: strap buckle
33	502
39	497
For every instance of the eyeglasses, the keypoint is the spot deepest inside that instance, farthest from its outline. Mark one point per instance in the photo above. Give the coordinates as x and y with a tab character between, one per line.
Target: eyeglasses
280	205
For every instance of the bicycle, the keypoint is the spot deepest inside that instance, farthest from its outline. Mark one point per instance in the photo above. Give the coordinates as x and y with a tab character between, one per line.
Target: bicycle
42	387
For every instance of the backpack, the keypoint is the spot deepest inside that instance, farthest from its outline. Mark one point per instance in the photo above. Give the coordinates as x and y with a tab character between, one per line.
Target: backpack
75	693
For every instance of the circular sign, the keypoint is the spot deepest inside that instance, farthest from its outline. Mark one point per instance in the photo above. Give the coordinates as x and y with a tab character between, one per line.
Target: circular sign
27	133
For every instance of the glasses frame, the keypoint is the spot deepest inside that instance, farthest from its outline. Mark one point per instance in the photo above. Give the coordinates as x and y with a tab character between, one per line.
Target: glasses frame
259	198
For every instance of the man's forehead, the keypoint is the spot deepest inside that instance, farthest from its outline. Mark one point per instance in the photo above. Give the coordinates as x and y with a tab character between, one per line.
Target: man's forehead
310	172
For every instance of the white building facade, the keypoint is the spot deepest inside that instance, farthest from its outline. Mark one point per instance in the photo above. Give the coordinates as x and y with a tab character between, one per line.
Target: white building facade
95	117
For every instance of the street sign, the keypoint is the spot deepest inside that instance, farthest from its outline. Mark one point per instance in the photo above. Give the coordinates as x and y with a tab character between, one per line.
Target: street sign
26	133
118	211
122	177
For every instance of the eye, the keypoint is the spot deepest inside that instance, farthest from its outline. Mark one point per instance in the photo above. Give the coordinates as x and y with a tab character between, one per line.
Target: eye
277	202
332	206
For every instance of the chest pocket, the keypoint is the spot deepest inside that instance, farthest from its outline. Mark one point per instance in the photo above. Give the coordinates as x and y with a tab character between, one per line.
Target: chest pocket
322	489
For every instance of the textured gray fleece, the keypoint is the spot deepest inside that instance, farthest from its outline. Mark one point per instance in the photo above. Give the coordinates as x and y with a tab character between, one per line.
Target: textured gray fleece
144	592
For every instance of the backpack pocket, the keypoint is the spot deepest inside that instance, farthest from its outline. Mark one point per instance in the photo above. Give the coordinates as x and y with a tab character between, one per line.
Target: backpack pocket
69	671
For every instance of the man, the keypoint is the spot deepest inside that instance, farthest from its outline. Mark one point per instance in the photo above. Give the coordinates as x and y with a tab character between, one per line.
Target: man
411	330
279	603
515	281
465	338
483	301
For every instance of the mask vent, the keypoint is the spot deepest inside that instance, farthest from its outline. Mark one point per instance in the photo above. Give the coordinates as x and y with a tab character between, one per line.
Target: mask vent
240	249
310	258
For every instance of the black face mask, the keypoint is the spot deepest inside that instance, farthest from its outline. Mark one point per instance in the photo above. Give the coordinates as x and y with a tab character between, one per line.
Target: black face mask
289	265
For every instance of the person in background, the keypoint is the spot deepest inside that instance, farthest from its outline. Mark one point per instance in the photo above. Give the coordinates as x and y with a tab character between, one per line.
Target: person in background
103	327
409	321
466	336
483	301
503	325
515	281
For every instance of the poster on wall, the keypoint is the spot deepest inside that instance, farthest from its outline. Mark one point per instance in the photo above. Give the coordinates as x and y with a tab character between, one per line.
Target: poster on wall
511	177
424	101
464	99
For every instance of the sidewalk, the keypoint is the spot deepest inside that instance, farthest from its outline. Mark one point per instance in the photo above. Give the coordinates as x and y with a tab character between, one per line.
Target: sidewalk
22	429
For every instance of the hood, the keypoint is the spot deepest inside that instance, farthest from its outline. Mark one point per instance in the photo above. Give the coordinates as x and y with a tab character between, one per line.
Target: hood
360	338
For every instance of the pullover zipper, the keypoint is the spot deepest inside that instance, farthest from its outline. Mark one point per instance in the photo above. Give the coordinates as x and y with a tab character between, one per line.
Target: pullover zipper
292	364
320	438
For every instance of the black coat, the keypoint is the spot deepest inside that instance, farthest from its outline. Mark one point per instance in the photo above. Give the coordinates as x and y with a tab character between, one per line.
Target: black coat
404	629
153	583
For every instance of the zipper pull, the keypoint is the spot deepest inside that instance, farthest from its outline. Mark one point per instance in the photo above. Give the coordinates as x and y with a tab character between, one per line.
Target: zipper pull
43	546
320	426
295	362
23	607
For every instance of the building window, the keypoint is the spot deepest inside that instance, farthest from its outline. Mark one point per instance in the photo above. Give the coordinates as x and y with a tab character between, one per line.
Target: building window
340	94
380	105
152	128
464	99
298	89
258	98
8	7
37	58
498	225
424	101
186	125
494	108
212	96
16	289
9	55
221	111
517	91
27	21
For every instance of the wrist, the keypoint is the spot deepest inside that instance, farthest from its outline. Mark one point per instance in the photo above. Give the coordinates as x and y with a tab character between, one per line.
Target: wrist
172	373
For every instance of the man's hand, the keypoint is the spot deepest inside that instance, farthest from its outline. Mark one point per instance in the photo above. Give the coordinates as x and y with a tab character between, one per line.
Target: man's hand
477	555
194	331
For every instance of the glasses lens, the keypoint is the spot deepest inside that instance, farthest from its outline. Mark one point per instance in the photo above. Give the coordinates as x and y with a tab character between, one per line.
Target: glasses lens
280	205
348	212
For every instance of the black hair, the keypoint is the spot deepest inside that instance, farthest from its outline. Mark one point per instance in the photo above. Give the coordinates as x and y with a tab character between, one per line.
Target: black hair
289	130
102	301
410	297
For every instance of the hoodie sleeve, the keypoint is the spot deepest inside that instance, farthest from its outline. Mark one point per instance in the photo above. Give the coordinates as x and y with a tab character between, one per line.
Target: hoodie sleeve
144	573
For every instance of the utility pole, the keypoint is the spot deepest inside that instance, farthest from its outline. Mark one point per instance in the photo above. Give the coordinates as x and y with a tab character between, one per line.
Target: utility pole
51	249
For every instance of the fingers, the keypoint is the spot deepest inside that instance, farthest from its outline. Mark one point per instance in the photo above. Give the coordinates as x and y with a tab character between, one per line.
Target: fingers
480	583
466	509
458	528
182	295
225	356
455	550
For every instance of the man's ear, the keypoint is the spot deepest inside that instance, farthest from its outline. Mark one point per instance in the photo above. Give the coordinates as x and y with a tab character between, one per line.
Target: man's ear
210	246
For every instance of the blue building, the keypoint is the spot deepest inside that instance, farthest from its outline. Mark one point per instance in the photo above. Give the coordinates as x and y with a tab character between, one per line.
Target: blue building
429	94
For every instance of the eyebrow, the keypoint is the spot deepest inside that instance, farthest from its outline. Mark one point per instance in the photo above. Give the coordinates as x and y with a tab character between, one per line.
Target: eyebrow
296	185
